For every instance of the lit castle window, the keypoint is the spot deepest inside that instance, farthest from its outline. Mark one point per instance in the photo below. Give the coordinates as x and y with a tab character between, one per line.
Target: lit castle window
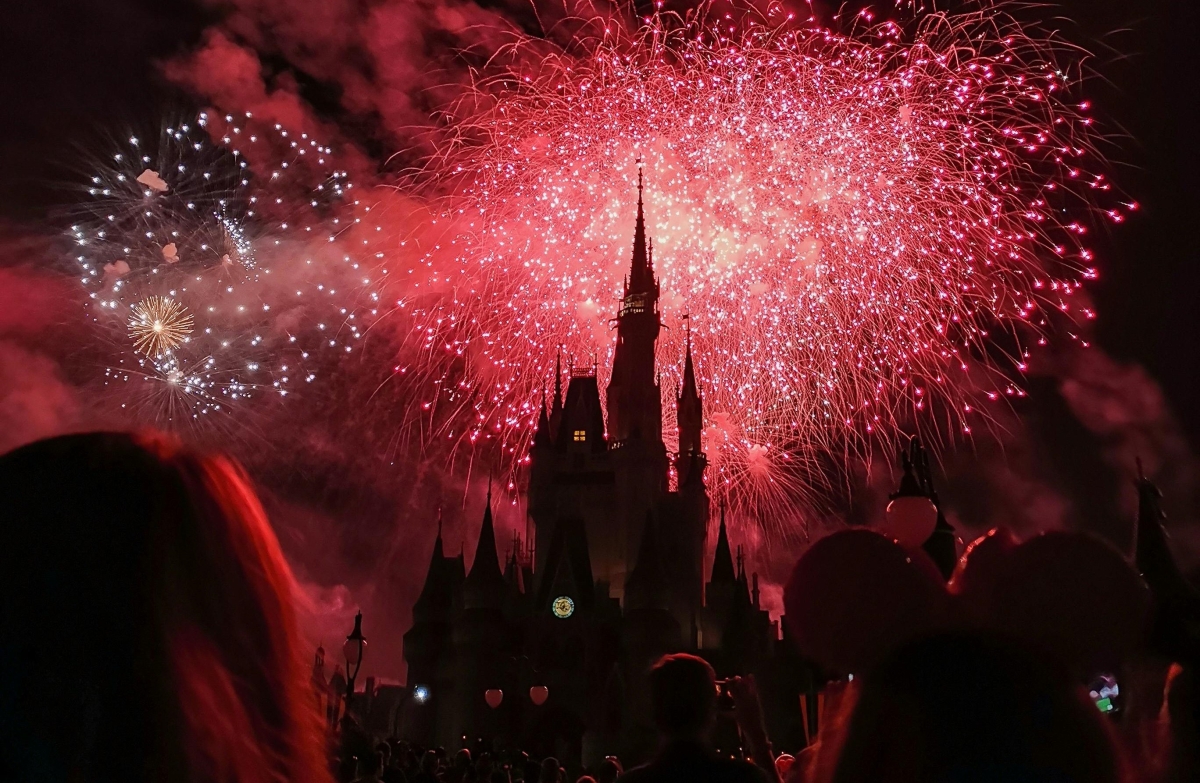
580	436
633	304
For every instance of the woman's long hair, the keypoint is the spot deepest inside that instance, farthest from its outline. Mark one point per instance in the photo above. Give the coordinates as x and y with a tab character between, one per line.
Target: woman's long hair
147	629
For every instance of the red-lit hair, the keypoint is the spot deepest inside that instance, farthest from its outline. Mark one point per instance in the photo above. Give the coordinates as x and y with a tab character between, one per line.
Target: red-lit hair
173	608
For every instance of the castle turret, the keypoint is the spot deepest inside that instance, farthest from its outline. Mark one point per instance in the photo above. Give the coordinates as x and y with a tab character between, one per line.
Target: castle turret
647	586
582	419
722	570
1176	602
690	418
427	644
541	438
485	586
438	597
634	400
724	589
556	406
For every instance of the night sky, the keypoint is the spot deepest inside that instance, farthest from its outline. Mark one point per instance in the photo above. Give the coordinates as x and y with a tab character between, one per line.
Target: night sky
77	74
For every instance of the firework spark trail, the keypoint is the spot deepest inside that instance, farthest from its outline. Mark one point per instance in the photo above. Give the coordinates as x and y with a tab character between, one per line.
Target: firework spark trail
867	230
221	261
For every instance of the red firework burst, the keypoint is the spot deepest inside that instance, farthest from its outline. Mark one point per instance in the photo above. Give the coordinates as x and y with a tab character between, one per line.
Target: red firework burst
866	229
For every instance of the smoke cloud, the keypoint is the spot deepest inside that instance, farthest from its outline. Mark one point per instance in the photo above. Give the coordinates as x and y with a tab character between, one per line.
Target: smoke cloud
373	78
355	504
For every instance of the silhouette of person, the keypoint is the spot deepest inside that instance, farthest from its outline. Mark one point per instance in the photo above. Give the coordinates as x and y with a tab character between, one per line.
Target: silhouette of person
147	631
609	770
370	767
971	707
683	691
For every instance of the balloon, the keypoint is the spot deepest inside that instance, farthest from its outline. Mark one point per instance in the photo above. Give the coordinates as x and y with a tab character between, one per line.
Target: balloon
910	520
538	694
1075	596
854	595
493	697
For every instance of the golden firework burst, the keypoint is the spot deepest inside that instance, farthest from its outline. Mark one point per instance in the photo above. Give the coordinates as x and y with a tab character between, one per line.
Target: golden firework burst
157	324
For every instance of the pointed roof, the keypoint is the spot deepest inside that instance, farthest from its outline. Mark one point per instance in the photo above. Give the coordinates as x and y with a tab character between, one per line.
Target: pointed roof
641	273
437	594
513	575
722	571
647	584
1152	548
541	436
583	411
485	582
743	586
557	405
690	389
568	565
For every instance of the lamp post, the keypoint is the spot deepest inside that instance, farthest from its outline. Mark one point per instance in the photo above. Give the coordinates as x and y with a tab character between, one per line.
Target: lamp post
911	515
353	649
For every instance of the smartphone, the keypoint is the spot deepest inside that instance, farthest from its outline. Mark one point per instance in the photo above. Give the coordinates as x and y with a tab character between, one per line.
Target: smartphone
725	701
1106	693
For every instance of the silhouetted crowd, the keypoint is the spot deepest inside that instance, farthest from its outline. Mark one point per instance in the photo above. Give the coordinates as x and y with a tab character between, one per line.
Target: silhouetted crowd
400	762
148	633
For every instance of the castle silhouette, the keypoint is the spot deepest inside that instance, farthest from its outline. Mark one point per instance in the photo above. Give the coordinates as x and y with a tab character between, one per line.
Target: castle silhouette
615	579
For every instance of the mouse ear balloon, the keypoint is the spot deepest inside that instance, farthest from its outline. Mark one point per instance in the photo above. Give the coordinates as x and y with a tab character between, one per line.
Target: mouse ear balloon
1075	596
854	595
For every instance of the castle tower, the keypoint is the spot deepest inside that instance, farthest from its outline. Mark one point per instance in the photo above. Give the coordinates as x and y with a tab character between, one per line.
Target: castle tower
633	397
721	591
485	585
427	644
689	407
634	405
483	637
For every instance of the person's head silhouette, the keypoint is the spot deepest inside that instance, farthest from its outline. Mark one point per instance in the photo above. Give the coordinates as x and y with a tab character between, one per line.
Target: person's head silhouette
148	630
963	706
683	691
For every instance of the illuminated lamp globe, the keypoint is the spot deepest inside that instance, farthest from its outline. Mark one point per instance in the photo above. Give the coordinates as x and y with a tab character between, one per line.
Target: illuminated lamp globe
421	694
910	520
538	694
493	697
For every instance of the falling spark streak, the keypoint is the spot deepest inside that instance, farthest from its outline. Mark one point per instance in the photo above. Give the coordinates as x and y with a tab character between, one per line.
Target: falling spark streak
866	229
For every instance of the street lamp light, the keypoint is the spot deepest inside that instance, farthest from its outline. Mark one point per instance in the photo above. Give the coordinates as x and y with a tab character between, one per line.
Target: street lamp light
911	516
353	649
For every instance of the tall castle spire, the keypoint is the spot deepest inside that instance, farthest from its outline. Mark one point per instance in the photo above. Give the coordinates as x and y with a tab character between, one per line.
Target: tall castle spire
634	401
556	406
541	438
689	404
722	570
641	273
